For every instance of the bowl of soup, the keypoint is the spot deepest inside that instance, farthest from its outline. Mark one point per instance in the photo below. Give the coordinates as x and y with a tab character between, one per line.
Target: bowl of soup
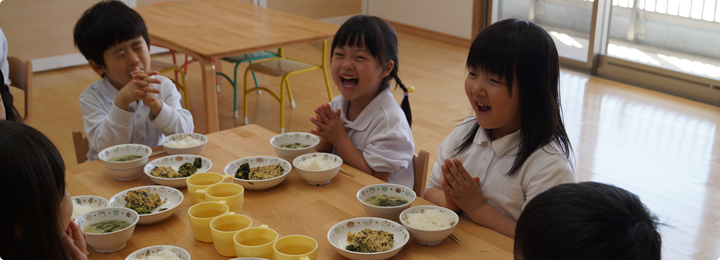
386	200
125	162
290	145
108	229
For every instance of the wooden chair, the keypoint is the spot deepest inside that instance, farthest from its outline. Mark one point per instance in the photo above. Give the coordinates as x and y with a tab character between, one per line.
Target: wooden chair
284	67
163	67
82	146
21	77
421	160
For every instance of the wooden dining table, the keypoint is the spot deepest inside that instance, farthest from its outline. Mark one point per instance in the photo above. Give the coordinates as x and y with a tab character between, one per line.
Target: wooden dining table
292	207
214	29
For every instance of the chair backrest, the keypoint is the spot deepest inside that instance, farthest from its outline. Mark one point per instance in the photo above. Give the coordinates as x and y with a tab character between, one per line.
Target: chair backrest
82	146
421	160
21	77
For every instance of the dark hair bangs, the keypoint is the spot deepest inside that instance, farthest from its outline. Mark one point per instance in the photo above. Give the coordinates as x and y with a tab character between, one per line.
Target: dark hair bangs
495	51
106	24
359	31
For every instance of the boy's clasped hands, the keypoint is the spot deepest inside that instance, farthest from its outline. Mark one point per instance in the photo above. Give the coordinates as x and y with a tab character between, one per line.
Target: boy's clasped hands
140	88
462	192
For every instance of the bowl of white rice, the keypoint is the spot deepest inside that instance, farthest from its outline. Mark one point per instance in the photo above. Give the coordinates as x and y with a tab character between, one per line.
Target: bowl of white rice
428	224
160	253
184	143
86	203
317	168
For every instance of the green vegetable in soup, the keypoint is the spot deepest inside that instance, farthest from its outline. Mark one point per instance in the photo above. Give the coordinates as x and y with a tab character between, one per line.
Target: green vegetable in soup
106	226
125	158
385	200
294	146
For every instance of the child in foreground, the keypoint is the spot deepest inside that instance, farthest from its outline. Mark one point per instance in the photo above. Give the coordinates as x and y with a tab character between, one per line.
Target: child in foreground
515	146
588	220
130	104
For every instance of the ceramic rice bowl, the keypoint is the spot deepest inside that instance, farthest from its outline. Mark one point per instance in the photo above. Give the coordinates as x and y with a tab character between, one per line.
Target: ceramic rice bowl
428	237
151	250
391	212
184	150
255	161
175	161
113	241
90	200
318	177
174	198
128	170
337	236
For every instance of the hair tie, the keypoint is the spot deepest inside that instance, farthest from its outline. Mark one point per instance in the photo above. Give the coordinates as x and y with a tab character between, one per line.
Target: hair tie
409	91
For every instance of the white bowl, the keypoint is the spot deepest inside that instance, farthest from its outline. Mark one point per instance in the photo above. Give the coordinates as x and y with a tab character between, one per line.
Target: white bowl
337	235
174	198
151	250
393	212
184	150
113	241
96	202
129	170
174	161
428	237
318	177
255	161
295	137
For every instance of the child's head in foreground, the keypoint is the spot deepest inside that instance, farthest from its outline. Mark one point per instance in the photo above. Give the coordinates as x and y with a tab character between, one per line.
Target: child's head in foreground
588	220
365	58
114	39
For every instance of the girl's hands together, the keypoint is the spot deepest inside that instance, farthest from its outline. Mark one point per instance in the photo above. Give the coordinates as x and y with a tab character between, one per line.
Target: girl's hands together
328	125
461	190
77	247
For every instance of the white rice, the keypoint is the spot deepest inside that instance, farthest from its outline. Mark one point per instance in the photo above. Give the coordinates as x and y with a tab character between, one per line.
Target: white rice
184	143
316	164
164	254
432	219
79	209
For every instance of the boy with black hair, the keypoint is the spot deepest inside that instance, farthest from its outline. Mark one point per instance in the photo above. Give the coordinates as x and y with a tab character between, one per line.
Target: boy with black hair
591	221
129	104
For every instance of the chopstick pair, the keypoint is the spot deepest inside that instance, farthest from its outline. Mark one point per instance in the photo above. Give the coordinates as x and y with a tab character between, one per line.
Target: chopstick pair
347	172
454	238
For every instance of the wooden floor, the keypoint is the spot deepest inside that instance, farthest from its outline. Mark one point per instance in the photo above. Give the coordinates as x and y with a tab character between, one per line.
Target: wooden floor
664	148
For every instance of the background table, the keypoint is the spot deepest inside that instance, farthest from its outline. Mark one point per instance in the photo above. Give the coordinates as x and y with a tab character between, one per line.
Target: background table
292	207
214	29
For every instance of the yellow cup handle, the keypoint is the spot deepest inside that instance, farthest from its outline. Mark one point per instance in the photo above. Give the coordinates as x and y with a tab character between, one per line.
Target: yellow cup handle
227	177
264	226
222	201
304	257
197	195
229	213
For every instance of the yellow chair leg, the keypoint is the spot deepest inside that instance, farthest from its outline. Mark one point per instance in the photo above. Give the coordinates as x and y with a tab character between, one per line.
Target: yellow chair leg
282	106
324	70
287	85
245	99
184	89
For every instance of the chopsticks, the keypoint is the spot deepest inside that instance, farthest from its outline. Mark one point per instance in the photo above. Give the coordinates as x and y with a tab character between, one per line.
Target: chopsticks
347	172
454	238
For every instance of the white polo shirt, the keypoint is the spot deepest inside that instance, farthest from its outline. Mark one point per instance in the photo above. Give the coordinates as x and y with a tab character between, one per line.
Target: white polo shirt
382	134
491	161
107	125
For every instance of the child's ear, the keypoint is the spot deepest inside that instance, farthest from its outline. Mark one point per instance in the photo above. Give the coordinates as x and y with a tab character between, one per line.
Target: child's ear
388	68
99	69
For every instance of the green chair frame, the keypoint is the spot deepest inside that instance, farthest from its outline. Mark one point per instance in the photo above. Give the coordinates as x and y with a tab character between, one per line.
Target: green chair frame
250	57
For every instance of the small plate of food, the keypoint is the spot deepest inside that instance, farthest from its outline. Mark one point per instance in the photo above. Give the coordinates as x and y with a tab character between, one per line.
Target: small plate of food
152	203
173	170
368	238
258	172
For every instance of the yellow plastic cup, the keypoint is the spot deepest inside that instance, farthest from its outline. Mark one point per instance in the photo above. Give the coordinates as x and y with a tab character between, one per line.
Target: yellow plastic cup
203	180
255	242
233	193
200	216
223	230
295	247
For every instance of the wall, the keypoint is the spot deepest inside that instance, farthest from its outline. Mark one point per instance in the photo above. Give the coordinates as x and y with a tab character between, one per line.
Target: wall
449	17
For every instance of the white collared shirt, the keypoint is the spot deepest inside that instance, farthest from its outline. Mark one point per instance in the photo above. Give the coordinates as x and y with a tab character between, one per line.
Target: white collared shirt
107	125
491	161
4	65
382	134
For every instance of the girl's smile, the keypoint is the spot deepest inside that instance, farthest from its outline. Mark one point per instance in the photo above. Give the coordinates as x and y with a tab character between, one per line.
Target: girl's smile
496	109
357	74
